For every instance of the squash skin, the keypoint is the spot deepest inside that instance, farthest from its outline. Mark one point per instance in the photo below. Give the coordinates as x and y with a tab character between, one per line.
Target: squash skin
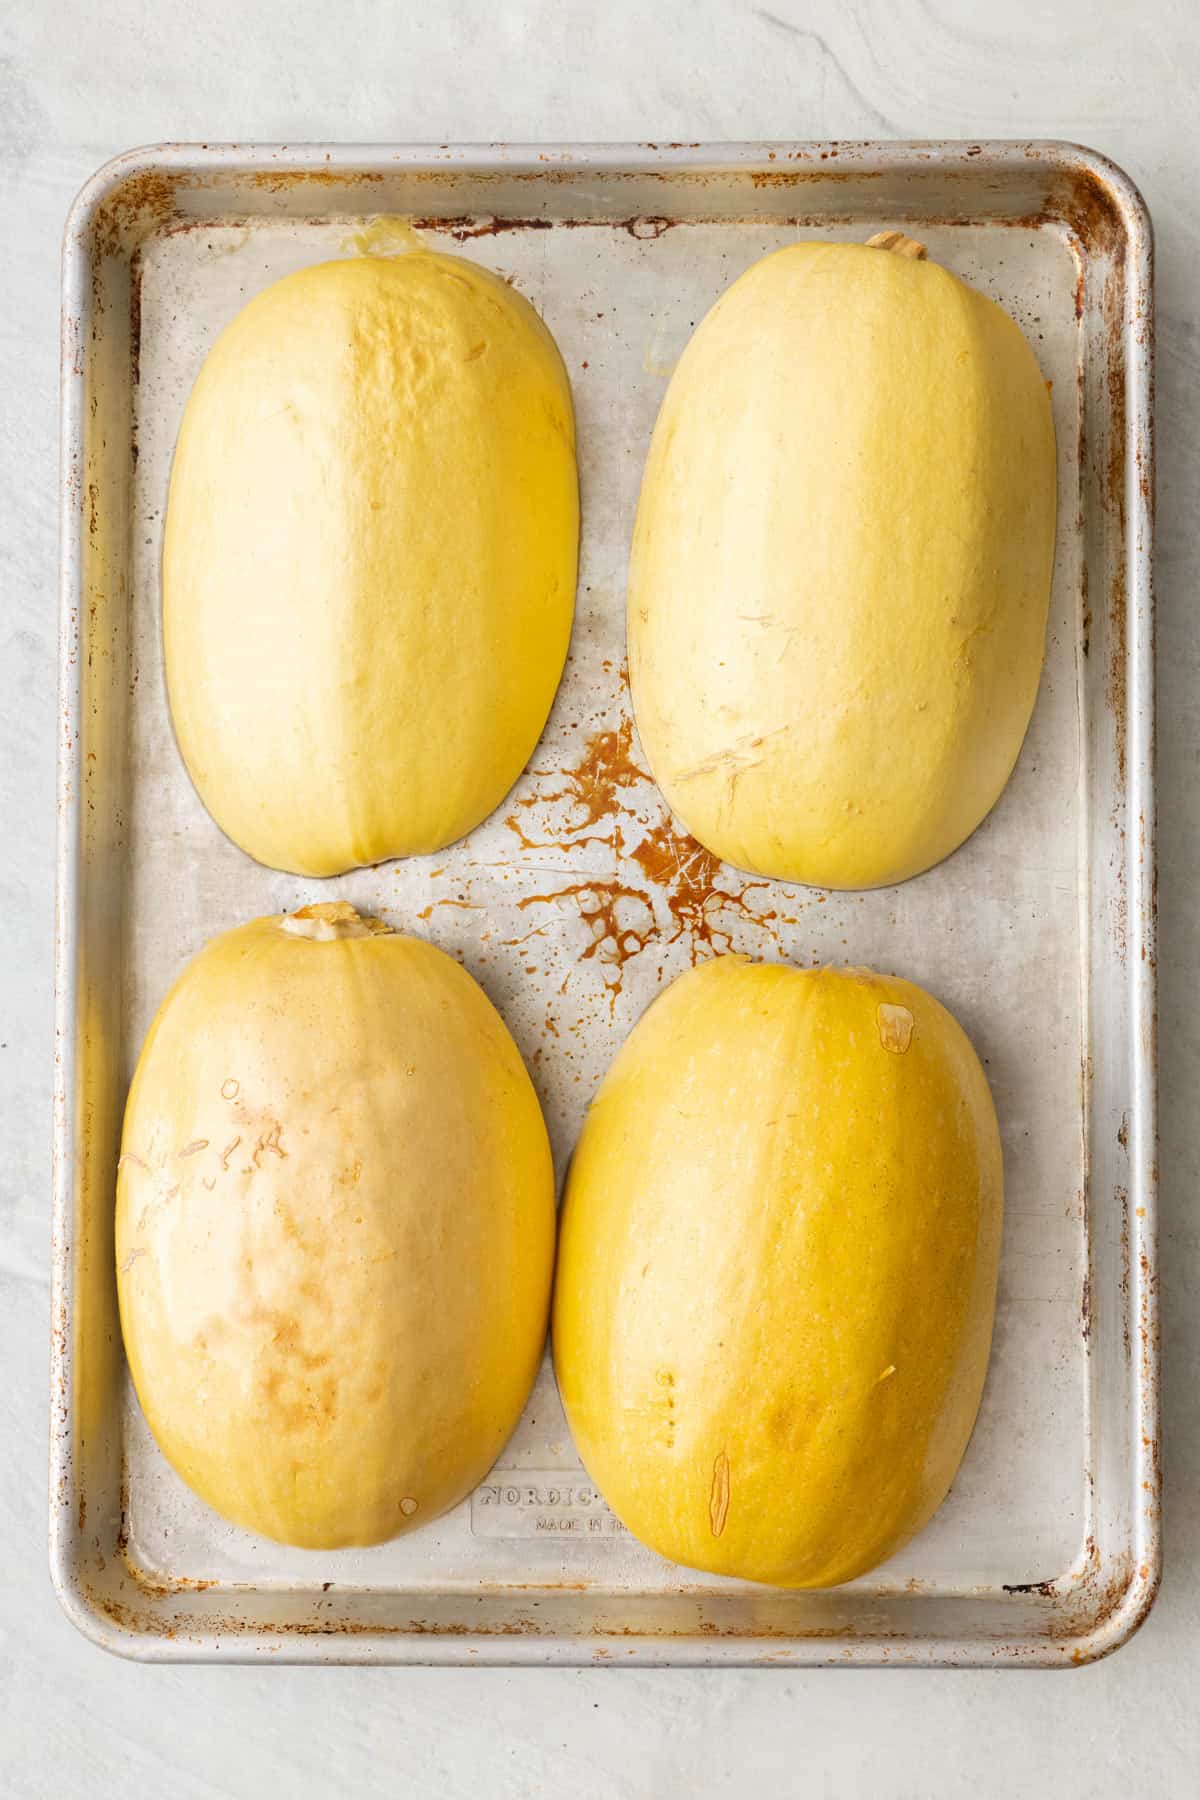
777	1267
841	567
334	1231
370	559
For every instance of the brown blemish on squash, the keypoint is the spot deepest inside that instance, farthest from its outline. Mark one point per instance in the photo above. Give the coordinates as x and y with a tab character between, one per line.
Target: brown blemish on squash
665	1379
270	1141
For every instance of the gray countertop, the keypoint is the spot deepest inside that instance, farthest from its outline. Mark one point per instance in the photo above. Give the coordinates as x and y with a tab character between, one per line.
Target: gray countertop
78	84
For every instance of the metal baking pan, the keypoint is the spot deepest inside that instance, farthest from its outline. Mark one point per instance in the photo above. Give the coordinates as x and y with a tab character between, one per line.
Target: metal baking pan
580	897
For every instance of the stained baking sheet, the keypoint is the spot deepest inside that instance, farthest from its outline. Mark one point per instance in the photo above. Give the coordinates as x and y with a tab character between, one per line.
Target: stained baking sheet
581	896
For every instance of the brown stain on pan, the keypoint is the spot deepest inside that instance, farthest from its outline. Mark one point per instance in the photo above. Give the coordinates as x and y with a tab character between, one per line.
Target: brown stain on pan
1122	1198
164	1590
614	937
135	343
282	181
688	876
1149	1331
1085	1601
1084	202
151	1622
1046	1589
1095	218
1113	475
1100	236
659	866
606	769
464	226
592	786
147	198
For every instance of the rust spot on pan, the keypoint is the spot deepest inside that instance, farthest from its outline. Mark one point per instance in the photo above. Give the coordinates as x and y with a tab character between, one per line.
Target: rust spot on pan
465	226
1083	202
282	181
135	339
651	226
145	200
1122	1195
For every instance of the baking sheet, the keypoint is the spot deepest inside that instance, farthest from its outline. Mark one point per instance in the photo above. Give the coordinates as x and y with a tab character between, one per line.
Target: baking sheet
581	896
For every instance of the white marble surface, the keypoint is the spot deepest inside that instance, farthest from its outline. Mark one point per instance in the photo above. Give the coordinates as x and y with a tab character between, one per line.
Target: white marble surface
79	82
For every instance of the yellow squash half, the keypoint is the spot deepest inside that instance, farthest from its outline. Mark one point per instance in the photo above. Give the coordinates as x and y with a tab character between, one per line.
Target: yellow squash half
777	1270
335	1229
841	566
369	564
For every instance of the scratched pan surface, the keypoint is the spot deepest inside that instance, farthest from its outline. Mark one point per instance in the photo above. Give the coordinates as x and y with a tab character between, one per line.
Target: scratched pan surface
581	896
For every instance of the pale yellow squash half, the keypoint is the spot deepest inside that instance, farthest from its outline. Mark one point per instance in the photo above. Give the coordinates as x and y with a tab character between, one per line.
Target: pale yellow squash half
334	1231
777	1270
841	566
370	557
